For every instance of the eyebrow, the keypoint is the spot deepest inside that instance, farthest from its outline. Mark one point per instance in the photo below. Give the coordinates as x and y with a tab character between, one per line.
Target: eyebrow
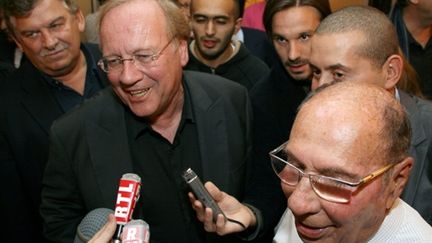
198	15
45	26
337	173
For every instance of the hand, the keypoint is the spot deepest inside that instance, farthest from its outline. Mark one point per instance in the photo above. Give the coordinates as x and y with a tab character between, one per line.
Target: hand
105	234
231	207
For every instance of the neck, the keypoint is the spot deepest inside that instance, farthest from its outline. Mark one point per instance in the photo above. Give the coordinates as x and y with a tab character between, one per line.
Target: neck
215	62
75	79
167	123
420	27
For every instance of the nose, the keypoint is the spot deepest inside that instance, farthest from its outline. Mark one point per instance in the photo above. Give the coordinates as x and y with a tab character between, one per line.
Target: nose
303	200
130	73
209	28
48	39
319	80
294	51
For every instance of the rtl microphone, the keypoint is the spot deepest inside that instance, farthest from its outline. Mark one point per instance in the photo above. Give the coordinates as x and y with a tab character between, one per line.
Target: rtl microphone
136	231
91	224
127	196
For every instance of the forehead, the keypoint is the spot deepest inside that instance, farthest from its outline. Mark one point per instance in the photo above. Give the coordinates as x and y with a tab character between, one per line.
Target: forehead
336	48
342	136
296	20
43	12
133	23
213	7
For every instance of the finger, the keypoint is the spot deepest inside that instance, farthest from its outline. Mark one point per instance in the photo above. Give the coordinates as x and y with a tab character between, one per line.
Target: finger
105	234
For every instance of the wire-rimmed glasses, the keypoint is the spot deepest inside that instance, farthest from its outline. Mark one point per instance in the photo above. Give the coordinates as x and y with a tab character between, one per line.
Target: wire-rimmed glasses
115	64
327	188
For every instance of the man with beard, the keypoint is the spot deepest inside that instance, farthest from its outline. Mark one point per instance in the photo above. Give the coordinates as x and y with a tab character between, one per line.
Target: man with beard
57	73
289	24
214	22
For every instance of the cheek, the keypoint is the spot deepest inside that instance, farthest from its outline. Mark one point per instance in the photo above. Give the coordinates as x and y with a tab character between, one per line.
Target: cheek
287	190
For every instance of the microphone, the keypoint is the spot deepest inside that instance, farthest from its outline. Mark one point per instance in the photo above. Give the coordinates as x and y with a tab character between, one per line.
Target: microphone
136	231
127	196
91	224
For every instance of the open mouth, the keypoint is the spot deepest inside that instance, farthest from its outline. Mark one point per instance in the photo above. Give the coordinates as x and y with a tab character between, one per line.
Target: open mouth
139	93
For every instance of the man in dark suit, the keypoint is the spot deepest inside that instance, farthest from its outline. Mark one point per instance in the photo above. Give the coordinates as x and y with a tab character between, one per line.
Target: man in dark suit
57	73
352	51
155	121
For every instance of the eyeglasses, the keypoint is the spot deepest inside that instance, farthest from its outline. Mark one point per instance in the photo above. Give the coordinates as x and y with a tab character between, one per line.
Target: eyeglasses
116	64
327	188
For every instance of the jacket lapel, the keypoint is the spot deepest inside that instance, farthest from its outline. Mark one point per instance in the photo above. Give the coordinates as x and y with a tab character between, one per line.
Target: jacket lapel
37	99
108	144
211	126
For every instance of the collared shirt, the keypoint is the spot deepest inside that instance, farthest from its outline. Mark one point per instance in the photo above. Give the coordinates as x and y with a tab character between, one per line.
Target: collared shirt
421	59
68	98
402	224
160	164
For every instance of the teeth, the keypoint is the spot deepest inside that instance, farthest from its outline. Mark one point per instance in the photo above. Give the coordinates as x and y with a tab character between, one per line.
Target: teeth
139	92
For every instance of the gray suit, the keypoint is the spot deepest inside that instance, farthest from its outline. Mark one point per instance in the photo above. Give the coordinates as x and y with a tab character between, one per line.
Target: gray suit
89	151
418	191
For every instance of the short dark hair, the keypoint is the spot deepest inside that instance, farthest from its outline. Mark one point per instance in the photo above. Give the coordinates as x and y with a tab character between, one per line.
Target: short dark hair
379	35
20	8
275	6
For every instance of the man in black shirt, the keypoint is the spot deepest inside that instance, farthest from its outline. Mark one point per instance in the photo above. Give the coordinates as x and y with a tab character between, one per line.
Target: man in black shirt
413	21
155	121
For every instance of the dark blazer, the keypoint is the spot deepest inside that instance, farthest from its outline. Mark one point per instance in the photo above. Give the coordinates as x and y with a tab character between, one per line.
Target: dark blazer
27	110
89	151
258	44
274	103
418	191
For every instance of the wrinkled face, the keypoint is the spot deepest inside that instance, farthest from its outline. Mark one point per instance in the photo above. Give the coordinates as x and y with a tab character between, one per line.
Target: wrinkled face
292	30
334	58
340	147
50	37
213	24
140	28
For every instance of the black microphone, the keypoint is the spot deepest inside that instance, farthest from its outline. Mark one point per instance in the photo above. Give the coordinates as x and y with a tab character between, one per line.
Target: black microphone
91	224
127	196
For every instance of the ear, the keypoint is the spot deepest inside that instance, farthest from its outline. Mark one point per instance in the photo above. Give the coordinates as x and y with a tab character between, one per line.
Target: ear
237	25
398	180
183	49
80	20
393	69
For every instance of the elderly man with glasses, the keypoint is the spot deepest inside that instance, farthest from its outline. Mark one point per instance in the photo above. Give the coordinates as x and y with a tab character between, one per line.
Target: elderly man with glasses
343	178
155	120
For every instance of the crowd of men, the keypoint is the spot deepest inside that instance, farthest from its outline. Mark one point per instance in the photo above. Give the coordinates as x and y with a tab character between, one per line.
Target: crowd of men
307	135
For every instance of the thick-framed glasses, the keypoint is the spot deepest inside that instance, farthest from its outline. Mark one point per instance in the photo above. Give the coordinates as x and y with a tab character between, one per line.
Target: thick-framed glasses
327	188
116	64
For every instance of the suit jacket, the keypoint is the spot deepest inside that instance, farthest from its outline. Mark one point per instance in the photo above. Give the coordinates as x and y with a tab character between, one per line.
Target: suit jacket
418	191
274	103
89	151
27	110
257	43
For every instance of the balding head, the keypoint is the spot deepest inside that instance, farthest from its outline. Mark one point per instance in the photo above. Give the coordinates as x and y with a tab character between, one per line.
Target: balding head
379	35
355	110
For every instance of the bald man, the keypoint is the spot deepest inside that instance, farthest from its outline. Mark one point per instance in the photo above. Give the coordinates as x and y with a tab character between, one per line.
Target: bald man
344	177
360	43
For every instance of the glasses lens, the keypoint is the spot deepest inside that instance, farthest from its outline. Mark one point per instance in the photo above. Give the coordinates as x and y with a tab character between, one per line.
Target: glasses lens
330	189
287	173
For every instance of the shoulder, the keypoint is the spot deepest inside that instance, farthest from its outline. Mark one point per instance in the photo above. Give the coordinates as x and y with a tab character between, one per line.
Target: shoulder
89	110
211	83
